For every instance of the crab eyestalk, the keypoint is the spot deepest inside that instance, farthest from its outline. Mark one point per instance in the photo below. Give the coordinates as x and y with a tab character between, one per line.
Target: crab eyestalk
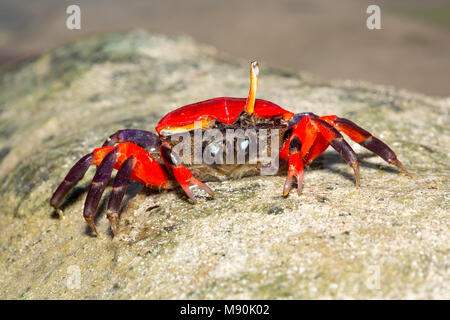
254	72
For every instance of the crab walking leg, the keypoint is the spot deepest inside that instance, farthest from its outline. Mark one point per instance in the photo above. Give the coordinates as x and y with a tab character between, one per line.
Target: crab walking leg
299	144
183	176
72	178
366	139
144	169
132	162
99	183
336	140
121	182
295	167
145	139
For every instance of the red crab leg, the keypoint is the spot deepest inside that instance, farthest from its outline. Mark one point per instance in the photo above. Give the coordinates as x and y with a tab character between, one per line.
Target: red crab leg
145	169
366	139
315	135
184	177
307	134
131	161
302	138
295	167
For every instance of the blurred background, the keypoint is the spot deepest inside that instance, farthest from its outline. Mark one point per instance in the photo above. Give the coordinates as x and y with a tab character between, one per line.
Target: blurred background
326	38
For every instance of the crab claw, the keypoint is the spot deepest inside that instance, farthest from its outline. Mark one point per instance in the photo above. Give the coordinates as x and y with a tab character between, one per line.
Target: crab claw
187	180
254	72
182	174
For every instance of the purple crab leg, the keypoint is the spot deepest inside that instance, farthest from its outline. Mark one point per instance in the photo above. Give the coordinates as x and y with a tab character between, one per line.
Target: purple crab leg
145	139
366	139
99	183
121	182
337	141
75	174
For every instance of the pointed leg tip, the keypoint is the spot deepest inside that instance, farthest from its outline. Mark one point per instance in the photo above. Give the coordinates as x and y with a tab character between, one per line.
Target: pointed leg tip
96	233
209	191
113	224
300	184
194	200
91	224
190	194
115	230
204	187
60	213
357	182
287	185
402	168
404	172
200	185
355	167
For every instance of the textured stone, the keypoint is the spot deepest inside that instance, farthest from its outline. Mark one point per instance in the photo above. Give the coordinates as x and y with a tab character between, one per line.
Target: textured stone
388	239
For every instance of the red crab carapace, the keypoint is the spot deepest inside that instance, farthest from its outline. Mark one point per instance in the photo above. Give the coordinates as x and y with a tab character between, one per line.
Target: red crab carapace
150	158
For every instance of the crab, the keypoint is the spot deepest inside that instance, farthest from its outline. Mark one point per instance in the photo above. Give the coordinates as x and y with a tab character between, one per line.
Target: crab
152	159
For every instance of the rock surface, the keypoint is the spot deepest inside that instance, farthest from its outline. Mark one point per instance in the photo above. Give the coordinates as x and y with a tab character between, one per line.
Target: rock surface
388	239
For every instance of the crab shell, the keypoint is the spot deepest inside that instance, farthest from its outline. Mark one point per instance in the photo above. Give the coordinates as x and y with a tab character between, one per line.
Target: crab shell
223	113
225	110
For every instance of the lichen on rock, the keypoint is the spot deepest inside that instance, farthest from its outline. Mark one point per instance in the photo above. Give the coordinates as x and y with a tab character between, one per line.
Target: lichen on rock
387	239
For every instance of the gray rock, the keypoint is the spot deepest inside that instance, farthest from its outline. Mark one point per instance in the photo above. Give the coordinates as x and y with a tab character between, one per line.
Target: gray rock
387	239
